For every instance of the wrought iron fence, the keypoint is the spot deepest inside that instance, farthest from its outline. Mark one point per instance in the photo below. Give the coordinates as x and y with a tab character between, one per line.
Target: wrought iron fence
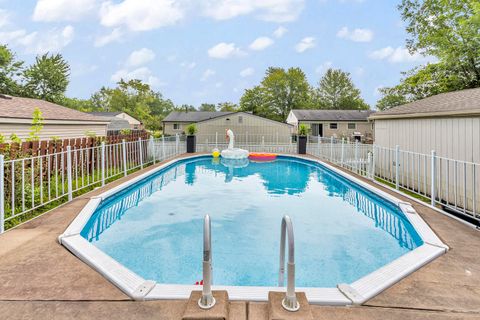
252	142
38	183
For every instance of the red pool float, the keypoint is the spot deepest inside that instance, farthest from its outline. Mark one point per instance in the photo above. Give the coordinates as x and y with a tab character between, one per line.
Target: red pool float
257	156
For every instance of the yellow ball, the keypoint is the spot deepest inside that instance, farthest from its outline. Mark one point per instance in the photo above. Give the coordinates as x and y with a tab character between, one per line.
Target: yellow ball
216	154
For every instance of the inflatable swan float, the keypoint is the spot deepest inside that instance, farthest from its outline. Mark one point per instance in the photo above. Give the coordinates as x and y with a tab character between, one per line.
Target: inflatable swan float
231	152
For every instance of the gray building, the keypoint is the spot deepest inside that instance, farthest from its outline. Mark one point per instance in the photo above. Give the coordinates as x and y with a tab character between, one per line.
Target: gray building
351	124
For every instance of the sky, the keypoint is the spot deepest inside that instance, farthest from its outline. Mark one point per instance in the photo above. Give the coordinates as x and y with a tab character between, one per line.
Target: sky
210	51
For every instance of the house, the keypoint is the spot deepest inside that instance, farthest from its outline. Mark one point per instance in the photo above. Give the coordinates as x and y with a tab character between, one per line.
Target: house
134	124
212	125
352	124
448	123
16	118
177	121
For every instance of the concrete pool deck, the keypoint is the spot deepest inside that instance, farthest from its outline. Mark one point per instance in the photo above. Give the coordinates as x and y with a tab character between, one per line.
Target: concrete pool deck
40	279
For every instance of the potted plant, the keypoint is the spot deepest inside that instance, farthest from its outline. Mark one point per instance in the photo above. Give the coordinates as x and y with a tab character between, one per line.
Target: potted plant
191	141
302	139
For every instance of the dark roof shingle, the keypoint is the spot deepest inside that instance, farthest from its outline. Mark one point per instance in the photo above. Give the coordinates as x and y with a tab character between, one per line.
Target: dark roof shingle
193	116
22	108
461	102
332	115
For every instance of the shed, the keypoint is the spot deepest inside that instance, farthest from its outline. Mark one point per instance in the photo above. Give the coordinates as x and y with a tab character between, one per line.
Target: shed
133	123
16	118
448	123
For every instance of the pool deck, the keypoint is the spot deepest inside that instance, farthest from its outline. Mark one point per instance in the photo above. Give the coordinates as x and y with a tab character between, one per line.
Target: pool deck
40	279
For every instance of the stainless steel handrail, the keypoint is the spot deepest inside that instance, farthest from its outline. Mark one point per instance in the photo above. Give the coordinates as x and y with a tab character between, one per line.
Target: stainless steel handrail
207	300
290	301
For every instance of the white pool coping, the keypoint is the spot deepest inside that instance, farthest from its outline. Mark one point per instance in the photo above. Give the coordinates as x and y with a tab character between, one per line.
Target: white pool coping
344	294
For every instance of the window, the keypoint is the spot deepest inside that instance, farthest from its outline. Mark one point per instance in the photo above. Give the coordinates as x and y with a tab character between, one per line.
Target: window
352	126
333	126
176	126
240	119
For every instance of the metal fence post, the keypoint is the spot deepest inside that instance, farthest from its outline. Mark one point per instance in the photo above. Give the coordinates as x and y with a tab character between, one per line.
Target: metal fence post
69	173
140	150
318	145
163	147
434	164
103	163
343	152
331	148
124	155
369	165
397	165
2	193
263	141
372	172
152	146
176	143
356	156
246	138
216	139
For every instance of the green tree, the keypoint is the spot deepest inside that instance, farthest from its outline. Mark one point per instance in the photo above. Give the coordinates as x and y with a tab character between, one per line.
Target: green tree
448	30
390	98
207	107
10	69
227	107
279	92
47	78
337	91
37	125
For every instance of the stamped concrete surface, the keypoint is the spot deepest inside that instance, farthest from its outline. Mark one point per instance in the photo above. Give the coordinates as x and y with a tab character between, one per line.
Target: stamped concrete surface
40	279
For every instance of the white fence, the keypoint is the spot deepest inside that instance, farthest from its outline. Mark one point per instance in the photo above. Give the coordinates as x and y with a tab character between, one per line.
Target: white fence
453	184
31	184
254	143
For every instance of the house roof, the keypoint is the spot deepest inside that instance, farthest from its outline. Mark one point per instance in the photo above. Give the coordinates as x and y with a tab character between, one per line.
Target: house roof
464	102
193	116
105	114
22	108
332	115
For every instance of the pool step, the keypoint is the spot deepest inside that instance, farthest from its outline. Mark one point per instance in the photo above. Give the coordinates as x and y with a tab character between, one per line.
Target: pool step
220	311
277	312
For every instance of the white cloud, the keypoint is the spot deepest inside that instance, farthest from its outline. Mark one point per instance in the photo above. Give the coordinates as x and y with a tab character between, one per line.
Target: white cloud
261	43
188	65
47	41
14	36
324	67
4	17
81	69
397	55
141	15
247	72
357	35
268	10
115	36
207	74
305	44
359	71
143	73
62	10
224	51
280	32
140	57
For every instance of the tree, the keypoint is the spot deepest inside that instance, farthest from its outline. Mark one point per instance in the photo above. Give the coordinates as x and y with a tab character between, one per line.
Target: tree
10	69
47	78
37	125
448	30
337	91
227	107
390	99
279	92
207	107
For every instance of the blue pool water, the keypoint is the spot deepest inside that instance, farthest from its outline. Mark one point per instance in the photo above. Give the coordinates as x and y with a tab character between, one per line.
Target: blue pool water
342	231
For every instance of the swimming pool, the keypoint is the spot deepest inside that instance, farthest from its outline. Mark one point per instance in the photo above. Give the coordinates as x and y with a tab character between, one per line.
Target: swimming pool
343	231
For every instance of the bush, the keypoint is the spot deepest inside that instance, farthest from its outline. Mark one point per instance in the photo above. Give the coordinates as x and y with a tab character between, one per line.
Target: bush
191	129
303	130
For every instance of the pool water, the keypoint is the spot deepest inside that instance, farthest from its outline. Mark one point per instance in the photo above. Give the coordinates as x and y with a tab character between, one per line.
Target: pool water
342	231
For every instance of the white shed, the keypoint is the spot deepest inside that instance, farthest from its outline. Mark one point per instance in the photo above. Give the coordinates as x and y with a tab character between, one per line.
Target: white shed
448	123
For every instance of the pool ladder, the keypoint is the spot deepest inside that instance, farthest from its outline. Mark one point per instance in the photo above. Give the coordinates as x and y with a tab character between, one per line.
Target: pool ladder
207	300
290	301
